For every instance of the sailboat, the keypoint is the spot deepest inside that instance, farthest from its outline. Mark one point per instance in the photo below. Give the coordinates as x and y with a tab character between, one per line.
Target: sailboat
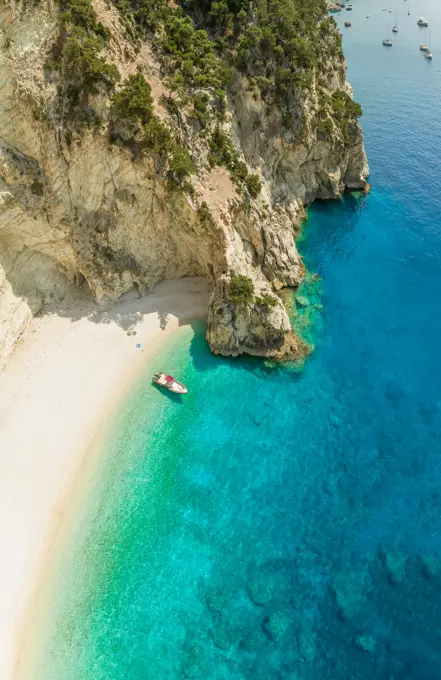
387	42
428	53
395	28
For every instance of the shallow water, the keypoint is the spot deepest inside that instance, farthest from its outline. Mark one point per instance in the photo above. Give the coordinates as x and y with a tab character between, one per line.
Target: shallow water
286	525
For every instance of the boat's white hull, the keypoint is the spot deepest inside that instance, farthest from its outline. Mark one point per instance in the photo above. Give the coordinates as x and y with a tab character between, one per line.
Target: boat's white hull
172	385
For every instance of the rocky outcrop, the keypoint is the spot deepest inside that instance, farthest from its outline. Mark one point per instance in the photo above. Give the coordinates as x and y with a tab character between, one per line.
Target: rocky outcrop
78	210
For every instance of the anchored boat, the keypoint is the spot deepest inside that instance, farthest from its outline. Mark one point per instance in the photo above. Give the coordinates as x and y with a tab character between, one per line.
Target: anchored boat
170	383
422	22
428	53
387	42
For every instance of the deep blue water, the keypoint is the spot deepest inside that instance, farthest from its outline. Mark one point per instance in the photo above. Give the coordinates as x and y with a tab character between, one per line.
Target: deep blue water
283	525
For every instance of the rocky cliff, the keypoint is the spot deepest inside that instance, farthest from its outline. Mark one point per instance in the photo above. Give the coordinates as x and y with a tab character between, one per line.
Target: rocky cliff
202	177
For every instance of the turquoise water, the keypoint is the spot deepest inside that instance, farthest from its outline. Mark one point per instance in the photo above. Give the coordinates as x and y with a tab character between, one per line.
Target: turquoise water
284	525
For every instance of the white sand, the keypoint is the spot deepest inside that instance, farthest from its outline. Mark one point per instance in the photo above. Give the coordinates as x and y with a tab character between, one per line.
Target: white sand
57	390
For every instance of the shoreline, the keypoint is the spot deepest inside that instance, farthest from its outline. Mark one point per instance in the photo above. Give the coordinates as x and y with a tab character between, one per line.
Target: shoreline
57	395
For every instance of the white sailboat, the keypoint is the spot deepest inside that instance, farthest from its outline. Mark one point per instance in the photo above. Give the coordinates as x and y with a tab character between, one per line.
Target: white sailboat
395	27
428	53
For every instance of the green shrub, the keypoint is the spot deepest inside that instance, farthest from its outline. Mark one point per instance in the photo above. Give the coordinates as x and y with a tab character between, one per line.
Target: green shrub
134	101
180	164
79	13
325	127
253	184
157	137
200	105
223	152
81	65
77	57
241	289
266	300
205	217
345	107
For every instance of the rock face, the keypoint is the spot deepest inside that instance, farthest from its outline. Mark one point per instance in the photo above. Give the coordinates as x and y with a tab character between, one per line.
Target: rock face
82	211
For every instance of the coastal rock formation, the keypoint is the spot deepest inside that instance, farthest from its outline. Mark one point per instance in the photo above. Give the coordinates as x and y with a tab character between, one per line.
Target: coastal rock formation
92	201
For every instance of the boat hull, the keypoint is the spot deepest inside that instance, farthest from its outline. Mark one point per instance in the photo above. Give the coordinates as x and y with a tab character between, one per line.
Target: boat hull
169	383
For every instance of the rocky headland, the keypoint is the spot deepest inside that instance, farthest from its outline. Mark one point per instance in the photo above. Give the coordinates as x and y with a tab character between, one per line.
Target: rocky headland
142	142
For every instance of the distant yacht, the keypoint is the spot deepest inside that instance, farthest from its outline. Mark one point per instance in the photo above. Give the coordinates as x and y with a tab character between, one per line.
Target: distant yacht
424	48
367	16
384	9
422	22
428	53
408	14
387	42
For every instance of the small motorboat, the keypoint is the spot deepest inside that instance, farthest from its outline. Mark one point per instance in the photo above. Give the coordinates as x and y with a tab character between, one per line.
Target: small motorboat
424	48
428	55
394	29
170	383
347	24
349	8
422	22
387	42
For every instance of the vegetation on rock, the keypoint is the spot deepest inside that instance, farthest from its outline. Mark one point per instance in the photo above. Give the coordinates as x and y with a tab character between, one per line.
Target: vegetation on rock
134	100
241	289
266	300
281	46
77	58
135	124
223	152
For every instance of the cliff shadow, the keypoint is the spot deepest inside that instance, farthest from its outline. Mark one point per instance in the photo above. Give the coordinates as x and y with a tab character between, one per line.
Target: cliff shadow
204	360
330	224
185	299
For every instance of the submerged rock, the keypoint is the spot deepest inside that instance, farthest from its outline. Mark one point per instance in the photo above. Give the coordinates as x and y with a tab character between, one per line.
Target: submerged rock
192	660
348	592
276	625
253	640
430	565
365	643
302	301
222	632
395	564
261	588
216	599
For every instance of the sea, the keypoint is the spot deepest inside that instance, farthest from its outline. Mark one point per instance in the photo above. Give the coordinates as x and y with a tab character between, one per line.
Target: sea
279	523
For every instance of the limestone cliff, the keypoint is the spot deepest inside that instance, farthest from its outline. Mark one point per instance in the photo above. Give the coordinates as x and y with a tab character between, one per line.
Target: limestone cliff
77	209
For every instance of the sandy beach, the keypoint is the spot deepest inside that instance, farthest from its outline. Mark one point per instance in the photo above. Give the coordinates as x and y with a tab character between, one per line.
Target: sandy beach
61	384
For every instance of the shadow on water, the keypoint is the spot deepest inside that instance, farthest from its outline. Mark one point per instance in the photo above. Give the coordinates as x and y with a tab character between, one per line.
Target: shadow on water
204	360
332	221
172	396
